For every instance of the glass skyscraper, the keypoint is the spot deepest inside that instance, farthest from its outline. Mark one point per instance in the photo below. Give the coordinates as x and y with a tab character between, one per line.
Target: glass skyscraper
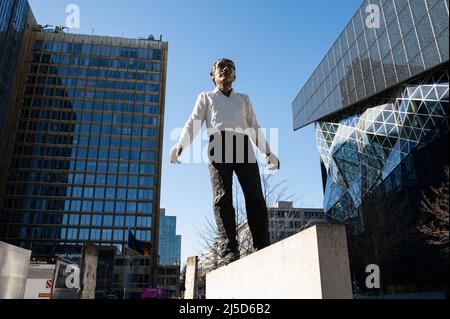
379	101
14	15
86	156
169	241
169	252
16	22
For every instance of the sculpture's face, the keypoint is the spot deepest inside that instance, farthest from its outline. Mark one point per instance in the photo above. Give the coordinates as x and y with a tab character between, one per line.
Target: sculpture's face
224	73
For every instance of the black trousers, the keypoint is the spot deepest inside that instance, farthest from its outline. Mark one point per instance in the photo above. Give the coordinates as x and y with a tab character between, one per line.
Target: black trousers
222	185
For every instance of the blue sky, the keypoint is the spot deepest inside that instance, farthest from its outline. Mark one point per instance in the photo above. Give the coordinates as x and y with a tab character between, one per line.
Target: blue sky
276	46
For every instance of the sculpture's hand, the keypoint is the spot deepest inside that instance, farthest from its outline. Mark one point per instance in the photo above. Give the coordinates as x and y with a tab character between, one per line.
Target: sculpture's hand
273	162
175	153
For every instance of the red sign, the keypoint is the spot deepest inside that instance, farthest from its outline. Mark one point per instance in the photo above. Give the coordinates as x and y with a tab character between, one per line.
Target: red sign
49	284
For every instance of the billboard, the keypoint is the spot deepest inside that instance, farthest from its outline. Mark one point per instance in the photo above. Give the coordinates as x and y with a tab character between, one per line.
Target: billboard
40	278
64	286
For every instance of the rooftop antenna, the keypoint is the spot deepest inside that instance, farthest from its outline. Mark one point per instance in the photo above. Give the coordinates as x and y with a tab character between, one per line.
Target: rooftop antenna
43	27
93	29
61	29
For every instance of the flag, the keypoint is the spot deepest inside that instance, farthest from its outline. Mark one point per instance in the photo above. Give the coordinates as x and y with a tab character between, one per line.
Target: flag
138	247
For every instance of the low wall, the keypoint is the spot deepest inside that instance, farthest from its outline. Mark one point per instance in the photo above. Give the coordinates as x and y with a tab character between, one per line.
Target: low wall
310	265
14	266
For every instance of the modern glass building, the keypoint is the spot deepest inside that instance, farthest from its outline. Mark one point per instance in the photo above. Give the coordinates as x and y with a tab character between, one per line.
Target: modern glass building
86	158
14	15
16	22
366	59
169	241
169	255
379	101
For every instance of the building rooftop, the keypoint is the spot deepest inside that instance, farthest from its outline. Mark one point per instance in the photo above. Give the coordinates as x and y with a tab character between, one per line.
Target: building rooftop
290	206
59	30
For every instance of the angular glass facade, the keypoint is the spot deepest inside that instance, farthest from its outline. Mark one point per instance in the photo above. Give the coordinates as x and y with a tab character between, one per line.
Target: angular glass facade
87	149
412	37
380	104
360	149
380	92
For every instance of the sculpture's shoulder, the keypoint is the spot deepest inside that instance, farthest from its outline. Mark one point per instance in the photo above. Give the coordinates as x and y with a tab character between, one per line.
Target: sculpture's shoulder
208	94
241	95
242	98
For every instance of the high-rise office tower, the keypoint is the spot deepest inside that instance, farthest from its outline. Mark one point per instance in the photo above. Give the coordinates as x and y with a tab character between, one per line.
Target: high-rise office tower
85	161
16	23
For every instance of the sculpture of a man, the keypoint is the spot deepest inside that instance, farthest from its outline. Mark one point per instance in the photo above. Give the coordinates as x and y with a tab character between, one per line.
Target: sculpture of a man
231	122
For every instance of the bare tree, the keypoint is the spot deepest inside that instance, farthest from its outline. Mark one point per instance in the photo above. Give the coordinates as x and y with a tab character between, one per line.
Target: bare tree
182	282
210	256
279	229
275	191
436	206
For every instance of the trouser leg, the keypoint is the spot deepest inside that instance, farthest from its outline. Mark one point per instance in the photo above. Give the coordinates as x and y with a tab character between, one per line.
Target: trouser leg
222	184
257	215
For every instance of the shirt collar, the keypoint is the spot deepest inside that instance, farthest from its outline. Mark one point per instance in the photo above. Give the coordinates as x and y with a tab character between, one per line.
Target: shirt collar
217	91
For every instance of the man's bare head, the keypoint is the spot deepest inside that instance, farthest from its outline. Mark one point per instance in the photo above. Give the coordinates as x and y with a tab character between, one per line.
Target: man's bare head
223	73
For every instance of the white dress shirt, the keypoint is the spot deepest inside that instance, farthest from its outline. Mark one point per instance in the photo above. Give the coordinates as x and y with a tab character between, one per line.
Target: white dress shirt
223	113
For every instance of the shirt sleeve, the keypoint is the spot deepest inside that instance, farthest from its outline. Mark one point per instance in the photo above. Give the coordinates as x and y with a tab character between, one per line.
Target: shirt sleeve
256	134
194	123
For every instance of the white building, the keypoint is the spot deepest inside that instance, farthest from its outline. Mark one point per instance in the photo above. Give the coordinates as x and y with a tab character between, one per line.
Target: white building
285	220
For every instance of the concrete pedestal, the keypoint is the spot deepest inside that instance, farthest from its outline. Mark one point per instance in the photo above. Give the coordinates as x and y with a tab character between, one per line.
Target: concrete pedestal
310	265
14	266
191	278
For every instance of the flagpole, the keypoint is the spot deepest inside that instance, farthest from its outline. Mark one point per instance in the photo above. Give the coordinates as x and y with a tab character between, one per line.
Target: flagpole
129	271
126	272
134	247
125	275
